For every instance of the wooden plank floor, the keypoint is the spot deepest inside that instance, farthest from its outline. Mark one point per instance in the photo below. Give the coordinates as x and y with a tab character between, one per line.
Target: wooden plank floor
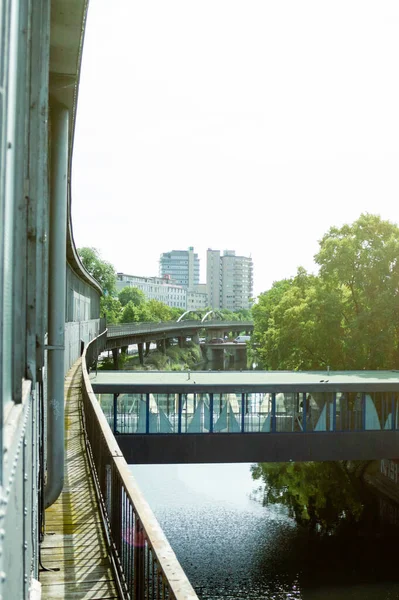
74	541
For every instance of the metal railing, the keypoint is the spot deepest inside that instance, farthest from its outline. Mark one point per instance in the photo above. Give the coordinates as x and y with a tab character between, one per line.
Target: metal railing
143	560
125	329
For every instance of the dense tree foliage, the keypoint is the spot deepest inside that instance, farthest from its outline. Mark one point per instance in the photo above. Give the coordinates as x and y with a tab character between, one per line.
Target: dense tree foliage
347	316
100	269
111	309
131	294
238	315
105	274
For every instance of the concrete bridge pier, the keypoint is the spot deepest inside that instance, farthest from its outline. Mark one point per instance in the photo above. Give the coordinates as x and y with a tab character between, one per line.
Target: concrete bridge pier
147	348
239	358
182	342
214	333
161	346
195	338
140	348
216	355
115	357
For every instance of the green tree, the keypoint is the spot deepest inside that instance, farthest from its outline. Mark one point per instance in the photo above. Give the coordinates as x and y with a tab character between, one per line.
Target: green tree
105	274
159	311
111	308
347	316
100	269
129	313
363	260
131	294
136	314
175	312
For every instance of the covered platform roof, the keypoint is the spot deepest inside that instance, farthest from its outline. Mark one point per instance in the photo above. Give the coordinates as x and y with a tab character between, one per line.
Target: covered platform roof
243	381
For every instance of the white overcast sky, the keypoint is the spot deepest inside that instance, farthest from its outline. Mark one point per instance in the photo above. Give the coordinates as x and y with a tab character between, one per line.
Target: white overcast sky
234	124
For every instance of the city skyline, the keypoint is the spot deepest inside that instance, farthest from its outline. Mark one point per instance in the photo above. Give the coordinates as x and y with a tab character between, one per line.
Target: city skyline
228	283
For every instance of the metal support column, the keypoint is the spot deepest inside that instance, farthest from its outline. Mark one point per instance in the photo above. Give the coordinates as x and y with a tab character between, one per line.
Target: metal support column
56	308
116	413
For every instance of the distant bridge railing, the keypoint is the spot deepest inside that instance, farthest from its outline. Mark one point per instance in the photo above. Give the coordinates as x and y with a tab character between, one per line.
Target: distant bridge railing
142	557
127	329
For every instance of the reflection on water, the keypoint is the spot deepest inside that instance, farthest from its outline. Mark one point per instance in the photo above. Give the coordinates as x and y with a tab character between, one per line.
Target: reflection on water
232	547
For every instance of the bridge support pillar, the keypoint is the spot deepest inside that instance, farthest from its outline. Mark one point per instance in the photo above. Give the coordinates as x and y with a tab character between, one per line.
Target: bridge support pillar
140	348
240	358
147	348
124	349
115	356
217	358
195	338
181	342
115	430
161	346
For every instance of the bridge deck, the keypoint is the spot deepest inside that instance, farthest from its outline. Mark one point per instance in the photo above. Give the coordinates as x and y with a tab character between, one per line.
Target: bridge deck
74	542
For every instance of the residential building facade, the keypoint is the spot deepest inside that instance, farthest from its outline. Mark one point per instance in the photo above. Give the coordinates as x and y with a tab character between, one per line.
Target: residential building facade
162	289
229	280
183	266
165	290
213	278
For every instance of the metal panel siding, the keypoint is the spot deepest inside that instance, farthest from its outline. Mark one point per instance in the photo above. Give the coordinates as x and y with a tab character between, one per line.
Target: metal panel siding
20	199
38	188
75	332
7	198
24	212
20	526
78	294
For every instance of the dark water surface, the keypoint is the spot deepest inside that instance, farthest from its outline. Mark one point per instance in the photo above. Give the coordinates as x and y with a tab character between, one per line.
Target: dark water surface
232	547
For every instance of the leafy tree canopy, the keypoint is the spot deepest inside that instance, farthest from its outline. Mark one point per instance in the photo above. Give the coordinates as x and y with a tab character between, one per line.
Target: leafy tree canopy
100	269
110	309
347	316
159	311
136	314
131	294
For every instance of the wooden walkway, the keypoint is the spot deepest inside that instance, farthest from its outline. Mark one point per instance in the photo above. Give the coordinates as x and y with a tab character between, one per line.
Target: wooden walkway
74	541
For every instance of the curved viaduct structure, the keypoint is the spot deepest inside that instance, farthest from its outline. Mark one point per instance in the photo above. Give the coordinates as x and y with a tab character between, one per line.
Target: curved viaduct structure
126	334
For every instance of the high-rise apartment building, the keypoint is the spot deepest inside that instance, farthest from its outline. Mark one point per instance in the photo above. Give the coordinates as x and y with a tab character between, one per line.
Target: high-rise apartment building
213	278
229	280
182	266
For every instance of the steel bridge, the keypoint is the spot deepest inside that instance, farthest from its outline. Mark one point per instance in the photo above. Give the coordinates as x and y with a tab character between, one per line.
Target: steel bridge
251	416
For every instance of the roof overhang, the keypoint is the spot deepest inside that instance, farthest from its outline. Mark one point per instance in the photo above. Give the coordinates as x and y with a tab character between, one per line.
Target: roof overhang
68	23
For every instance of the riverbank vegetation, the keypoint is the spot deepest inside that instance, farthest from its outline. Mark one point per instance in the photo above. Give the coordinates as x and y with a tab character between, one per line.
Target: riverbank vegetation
173	359
344	317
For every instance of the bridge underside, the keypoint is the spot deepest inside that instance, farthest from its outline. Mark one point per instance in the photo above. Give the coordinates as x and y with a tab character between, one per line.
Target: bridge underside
258	447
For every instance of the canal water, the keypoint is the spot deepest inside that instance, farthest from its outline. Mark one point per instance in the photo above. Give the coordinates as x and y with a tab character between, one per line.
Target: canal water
234	548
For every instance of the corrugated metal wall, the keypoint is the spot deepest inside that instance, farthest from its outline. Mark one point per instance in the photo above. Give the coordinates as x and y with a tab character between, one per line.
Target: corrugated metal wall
24	209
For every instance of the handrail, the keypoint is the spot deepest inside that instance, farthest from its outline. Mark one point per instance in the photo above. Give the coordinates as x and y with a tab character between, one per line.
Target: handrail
142	328
142	556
